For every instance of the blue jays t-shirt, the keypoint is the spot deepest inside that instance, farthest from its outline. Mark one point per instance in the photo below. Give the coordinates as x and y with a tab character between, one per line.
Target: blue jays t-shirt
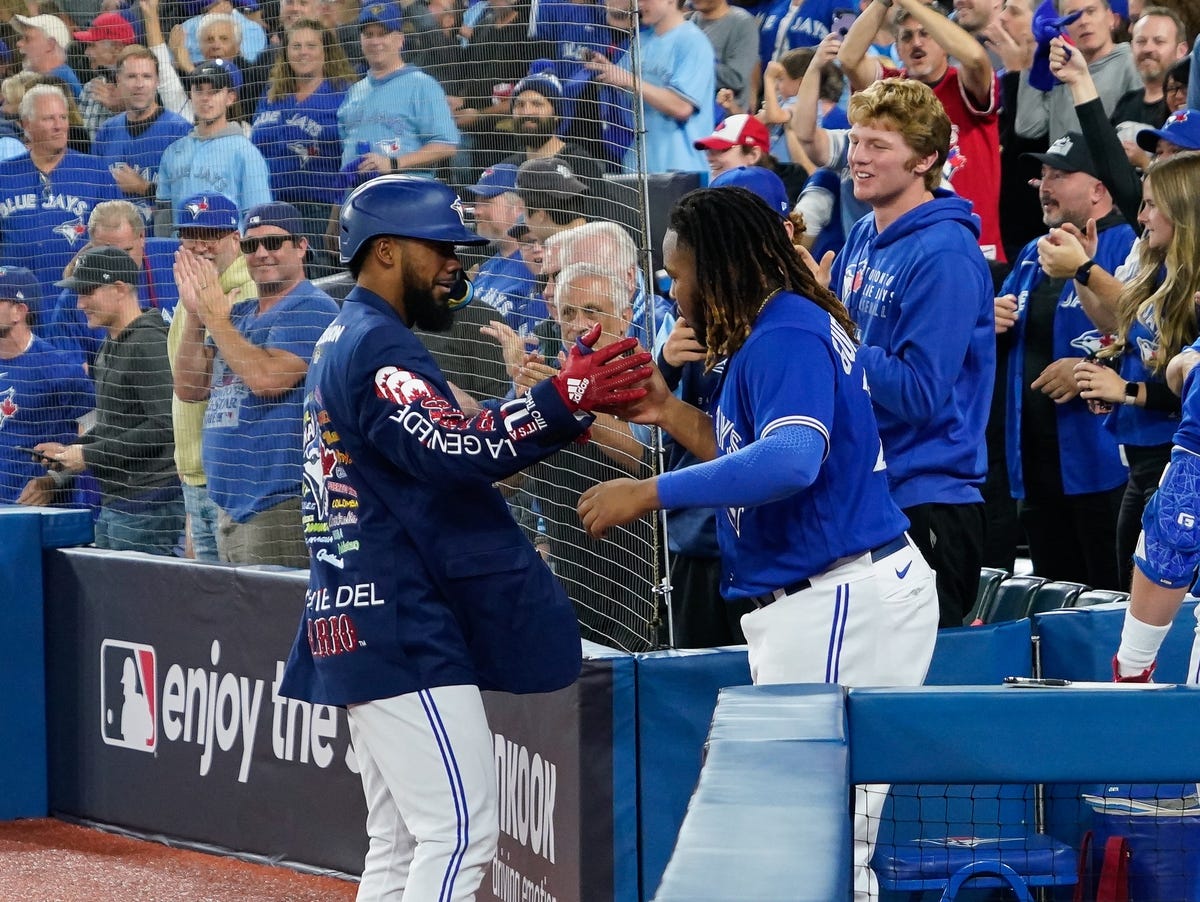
507	285
42	394
251	444
43	218
302	147
116	146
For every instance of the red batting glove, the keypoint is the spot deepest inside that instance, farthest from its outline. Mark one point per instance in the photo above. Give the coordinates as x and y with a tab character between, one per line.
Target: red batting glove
601	378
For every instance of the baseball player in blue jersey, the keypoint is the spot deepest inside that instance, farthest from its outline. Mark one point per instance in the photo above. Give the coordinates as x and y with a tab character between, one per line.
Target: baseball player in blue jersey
1168	551
423	590
808	531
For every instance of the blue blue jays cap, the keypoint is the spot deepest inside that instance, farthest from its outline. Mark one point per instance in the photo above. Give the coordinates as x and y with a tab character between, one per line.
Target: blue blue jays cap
19	284
495	180
279	214
544	81
218	73
385	13
207	211
756	180
1182	129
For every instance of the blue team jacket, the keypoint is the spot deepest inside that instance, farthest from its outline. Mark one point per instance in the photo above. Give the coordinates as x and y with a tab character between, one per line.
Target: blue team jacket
419	575
1088	450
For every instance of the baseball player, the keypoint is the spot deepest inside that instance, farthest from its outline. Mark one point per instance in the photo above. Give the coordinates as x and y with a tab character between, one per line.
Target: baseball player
423	590
808	533
1168	550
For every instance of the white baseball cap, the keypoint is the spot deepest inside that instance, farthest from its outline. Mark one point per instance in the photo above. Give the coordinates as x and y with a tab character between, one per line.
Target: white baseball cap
53	26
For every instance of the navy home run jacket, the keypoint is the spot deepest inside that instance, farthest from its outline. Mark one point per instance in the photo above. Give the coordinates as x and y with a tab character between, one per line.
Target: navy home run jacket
420	577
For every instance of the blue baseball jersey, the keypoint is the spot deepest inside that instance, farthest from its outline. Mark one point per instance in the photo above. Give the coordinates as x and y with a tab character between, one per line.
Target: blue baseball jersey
682	60
116	146
42	395
1089	460
251	444
420	577
507	285
1133	425
803	24
302	147
799	368
395	115
921	294
225	164
43	218
574	28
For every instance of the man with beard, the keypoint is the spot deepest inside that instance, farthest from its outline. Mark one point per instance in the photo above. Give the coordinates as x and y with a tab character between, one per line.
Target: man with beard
1159	40
1064	467
535	121
401	514
248	360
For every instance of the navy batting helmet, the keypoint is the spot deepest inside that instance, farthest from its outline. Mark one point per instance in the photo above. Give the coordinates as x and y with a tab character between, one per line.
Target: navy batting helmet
405	206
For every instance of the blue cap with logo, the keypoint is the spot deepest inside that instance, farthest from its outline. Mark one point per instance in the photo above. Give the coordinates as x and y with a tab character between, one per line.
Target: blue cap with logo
756	180
19	284
221	74
496	180
1182	129
385	13
207	211
541	78
278	214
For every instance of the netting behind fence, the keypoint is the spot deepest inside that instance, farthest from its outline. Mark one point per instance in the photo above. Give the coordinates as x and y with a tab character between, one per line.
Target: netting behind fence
145	406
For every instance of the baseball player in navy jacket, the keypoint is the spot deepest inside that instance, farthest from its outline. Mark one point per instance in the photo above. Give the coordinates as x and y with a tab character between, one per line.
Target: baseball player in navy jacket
423	590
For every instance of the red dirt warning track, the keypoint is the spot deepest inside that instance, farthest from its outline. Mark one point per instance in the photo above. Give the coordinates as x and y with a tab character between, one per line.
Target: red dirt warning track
47	860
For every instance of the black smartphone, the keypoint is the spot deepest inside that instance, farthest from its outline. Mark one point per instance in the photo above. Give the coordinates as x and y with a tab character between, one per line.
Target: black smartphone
32	453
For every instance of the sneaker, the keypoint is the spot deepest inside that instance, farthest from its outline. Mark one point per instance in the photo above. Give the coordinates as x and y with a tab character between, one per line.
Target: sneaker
1143	677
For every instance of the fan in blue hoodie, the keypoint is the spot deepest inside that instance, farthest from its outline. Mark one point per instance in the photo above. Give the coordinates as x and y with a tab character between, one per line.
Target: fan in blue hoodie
916	284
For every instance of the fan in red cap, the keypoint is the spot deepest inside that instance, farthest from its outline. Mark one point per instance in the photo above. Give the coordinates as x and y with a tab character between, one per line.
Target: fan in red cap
739	140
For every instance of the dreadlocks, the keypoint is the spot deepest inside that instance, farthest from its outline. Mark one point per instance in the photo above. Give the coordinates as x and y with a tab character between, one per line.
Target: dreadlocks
743	255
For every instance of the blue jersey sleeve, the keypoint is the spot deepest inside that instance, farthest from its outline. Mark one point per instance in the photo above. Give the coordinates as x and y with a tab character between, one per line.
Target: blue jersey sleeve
790	381
914	380
769	469
255	188
299	329
436	123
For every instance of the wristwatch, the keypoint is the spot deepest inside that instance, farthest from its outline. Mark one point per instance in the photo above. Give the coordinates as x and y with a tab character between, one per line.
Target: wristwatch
1084	272
1131	392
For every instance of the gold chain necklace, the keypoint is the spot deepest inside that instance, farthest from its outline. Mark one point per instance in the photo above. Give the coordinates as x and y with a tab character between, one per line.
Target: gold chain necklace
766	300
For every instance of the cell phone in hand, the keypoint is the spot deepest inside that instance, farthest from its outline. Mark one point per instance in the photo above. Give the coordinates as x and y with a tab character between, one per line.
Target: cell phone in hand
842	20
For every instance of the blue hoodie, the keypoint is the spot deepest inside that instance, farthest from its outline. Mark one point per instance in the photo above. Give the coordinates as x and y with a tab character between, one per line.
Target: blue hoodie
921	294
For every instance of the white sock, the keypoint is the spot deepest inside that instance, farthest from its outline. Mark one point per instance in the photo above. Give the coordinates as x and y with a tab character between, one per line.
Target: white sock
1140	643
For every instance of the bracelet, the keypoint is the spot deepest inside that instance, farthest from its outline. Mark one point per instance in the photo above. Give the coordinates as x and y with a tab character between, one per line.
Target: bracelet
1084	272
392	165
1131	392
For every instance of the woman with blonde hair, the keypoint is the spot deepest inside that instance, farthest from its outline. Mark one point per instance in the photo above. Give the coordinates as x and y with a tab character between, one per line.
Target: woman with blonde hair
1155	319
296	129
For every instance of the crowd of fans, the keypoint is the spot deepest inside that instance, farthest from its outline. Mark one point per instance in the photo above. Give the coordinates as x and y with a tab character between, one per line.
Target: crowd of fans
170	181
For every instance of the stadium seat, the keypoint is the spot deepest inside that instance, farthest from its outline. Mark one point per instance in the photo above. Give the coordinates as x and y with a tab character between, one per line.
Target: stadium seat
1013	598
947	863
1054	595
989	579
1098	596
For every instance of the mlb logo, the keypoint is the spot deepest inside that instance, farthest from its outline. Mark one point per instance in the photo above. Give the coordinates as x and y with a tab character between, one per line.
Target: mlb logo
128	695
